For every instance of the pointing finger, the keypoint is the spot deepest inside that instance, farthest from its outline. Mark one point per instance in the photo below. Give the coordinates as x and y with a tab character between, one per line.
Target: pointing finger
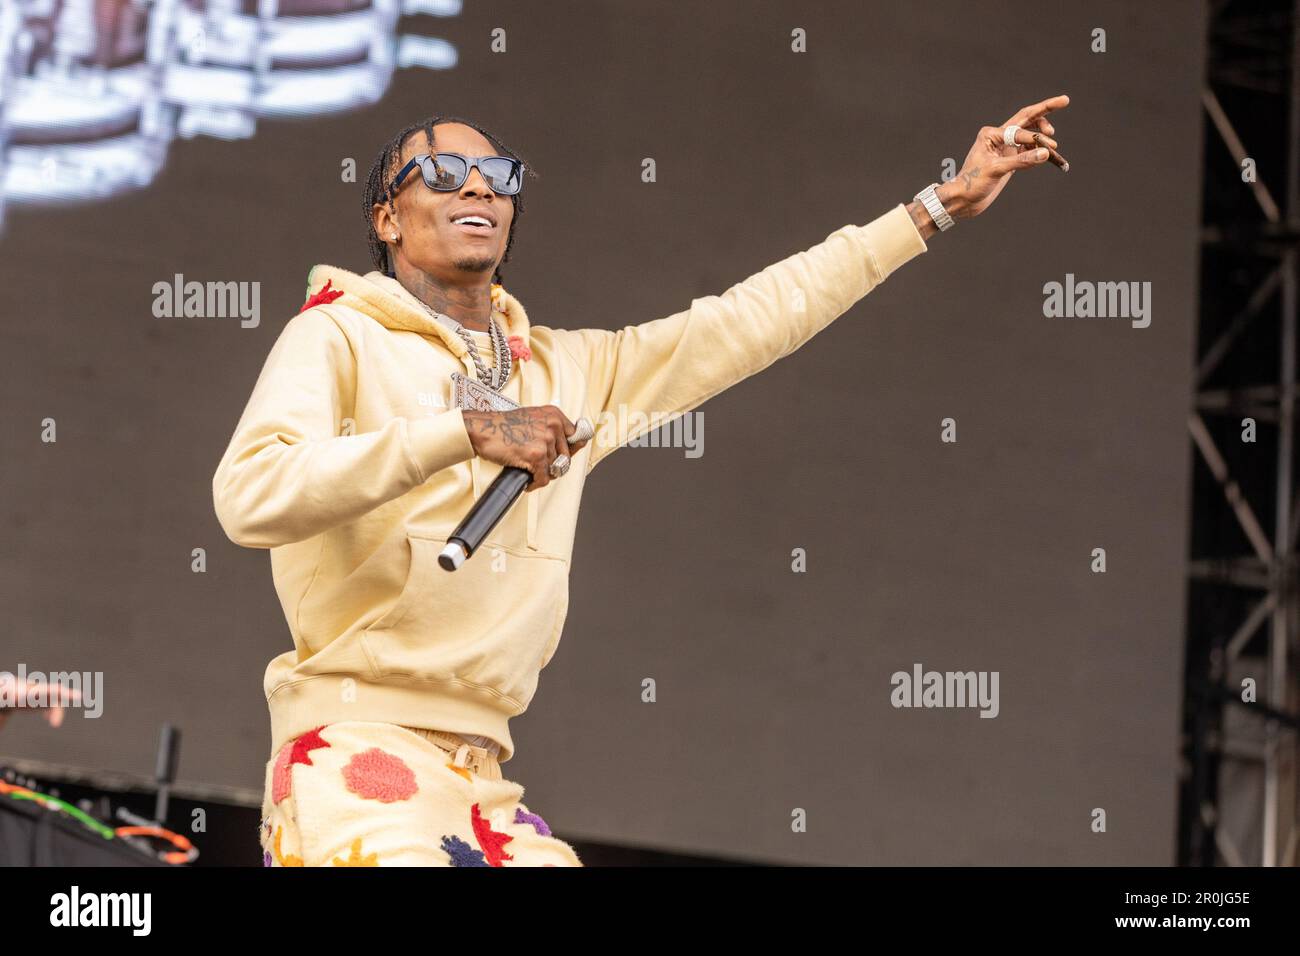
1038	110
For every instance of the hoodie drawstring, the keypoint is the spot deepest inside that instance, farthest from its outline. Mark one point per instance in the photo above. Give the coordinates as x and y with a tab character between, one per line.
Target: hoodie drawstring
526	389
532	521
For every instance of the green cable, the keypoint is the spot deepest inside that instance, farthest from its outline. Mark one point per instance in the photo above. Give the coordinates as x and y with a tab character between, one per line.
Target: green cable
85	818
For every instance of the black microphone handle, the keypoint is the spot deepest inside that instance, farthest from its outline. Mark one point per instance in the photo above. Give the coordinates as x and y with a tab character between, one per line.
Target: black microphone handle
487	512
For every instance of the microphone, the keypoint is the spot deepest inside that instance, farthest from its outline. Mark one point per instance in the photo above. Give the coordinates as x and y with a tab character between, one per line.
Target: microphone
492	507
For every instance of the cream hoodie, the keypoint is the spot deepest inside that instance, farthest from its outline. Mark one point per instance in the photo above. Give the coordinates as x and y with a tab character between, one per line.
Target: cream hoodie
351	468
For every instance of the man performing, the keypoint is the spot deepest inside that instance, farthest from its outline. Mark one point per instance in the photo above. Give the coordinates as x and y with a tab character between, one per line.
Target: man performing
356	457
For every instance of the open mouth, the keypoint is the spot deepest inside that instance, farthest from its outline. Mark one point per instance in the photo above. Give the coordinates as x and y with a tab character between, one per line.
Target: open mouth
474	225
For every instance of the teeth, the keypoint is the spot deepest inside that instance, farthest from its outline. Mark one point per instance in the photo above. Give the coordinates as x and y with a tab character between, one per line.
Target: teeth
473	221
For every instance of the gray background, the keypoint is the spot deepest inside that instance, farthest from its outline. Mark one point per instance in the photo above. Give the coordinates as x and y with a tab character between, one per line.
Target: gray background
773	687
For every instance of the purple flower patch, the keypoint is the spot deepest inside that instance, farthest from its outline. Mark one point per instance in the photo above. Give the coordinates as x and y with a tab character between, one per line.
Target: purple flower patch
538	823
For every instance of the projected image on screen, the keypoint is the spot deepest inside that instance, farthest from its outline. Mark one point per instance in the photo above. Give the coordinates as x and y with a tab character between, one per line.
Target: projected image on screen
93	91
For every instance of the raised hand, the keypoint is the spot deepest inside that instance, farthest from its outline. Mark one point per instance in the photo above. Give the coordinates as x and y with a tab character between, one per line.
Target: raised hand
991	161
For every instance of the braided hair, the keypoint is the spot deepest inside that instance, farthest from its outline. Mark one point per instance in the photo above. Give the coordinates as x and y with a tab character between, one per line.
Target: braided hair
385	168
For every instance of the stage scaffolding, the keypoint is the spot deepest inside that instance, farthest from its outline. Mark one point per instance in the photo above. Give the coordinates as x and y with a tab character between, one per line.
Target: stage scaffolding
1238	803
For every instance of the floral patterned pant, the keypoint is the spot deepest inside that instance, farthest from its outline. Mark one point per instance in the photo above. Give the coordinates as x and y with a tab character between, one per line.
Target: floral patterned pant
362	793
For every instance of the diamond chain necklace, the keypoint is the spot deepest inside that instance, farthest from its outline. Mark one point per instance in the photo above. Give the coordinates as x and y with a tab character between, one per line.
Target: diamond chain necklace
496	377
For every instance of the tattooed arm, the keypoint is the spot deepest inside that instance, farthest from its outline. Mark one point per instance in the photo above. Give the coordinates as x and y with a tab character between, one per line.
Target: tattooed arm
530	437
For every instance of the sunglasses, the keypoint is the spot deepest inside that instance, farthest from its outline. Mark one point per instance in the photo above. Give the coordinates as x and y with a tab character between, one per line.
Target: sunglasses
447	171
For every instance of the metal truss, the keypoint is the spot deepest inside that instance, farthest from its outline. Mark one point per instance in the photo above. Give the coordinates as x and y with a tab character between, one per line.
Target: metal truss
1239	789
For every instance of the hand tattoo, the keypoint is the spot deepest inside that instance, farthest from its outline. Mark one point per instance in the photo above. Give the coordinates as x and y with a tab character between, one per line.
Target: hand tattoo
518	426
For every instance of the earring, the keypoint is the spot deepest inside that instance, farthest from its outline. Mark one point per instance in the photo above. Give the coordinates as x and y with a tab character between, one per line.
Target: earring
394	237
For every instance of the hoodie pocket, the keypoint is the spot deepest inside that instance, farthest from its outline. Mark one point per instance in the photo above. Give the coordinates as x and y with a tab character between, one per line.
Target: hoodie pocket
406	596
492	622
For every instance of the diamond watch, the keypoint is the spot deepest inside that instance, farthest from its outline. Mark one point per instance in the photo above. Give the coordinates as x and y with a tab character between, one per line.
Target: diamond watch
930	200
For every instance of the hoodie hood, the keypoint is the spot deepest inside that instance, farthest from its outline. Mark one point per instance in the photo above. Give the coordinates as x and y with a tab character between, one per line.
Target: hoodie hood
389	303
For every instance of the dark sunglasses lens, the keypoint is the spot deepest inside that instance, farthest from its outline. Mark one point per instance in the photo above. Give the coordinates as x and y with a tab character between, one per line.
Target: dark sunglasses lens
444	171
503	175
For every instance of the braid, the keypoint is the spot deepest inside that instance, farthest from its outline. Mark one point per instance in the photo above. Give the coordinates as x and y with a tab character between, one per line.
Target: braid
385	168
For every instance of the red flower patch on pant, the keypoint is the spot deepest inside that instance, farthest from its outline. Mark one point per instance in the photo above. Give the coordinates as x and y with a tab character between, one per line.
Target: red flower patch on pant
377	775
295	751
